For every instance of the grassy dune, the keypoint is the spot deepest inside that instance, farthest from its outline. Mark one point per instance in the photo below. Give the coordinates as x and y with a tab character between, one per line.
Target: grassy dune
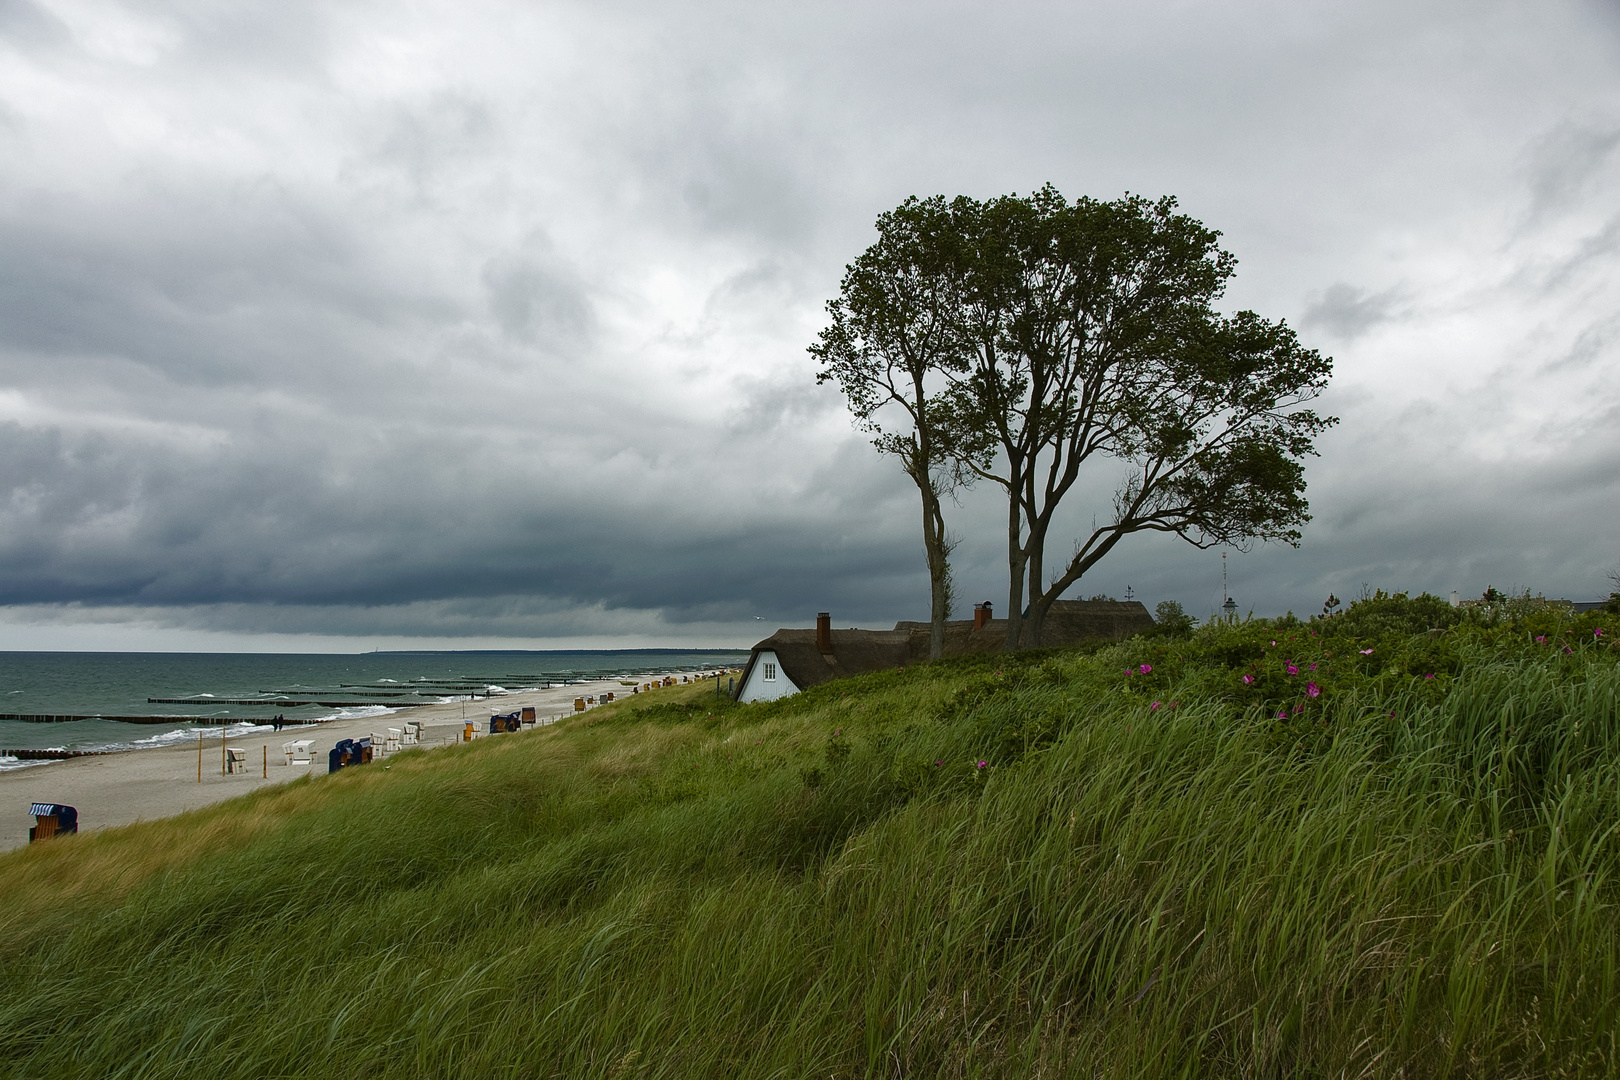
1398	876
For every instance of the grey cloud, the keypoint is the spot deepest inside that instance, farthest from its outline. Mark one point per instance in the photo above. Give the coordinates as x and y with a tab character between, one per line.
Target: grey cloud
537	302
1598	247
431	138
280	36
1566	162
1595	345
1347	312
26	23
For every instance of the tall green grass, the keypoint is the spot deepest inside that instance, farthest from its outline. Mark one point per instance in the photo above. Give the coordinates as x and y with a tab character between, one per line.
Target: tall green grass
832	885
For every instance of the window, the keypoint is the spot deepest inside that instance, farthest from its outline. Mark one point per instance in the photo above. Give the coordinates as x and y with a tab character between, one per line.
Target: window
770	671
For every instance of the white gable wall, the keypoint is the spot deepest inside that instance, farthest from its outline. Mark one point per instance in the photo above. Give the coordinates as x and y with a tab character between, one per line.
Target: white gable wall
766	680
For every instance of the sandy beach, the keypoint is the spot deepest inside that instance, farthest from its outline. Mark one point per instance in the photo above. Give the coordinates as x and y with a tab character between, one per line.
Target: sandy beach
135	785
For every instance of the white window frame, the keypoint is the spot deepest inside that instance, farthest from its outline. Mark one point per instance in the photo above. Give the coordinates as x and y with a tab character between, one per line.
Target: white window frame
770	671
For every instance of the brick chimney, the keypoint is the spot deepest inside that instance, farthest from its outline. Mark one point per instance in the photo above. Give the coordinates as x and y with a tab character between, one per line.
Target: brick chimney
824	631
981	615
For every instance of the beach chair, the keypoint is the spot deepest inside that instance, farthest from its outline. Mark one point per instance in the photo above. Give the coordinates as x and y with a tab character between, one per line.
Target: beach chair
235	759
299	751
52	819
379	745
412	733
394	739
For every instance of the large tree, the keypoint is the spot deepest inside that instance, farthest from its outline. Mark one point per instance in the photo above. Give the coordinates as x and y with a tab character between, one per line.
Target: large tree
1091	333
890	347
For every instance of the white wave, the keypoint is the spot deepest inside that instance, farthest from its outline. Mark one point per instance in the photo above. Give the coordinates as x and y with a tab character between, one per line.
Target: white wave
360	712
165	738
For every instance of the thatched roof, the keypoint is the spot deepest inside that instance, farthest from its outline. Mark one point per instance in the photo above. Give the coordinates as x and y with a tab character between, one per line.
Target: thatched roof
855	652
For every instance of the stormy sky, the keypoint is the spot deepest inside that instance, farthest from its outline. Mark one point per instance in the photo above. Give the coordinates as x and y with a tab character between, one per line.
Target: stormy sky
342	325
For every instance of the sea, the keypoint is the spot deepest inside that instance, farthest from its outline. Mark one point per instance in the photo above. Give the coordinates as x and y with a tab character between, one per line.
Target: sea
243	692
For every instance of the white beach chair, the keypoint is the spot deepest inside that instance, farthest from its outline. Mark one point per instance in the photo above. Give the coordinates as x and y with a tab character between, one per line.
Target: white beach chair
299	751
379	746
412	733
235	759
394	738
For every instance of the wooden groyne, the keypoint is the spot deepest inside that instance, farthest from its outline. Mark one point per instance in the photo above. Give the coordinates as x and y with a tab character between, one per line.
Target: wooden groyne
53	755
352	693
269	703
62	718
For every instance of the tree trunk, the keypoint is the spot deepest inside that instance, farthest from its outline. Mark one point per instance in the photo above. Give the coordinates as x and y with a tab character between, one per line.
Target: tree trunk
1029	633
938	549
1015	573
1038	607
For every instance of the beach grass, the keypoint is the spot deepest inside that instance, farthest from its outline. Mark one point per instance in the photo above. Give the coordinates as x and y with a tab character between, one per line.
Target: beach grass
994	866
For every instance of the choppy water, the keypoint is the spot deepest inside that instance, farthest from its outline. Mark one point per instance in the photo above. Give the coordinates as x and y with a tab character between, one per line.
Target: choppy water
120	684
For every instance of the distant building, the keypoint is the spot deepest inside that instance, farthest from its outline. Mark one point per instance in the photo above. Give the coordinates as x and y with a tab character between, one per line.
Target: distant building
792	660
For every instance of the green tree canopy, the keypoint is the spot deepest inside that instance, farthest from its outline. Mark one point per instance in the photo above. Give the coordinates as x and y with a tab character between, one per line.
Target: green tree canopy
1092	336
1028	338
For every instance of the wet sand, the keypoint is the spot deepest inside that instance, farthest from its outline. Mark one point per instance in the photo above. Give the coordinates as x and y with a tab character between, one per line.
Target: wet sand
137	785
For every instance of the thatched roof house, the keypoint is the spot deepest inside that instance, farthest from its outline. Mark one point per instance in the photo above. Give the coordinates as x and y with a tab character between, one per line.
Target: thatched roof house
792	660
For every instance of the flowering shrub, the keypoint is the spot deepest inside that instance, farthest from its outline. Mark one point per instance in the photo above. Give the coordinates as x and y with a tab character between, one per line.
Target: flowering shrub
1388	641
1288	670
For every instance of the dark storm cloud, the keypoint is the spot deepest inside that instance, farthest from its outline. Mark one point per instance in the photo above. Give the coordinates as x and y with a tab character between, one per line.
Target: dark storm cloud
490	322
